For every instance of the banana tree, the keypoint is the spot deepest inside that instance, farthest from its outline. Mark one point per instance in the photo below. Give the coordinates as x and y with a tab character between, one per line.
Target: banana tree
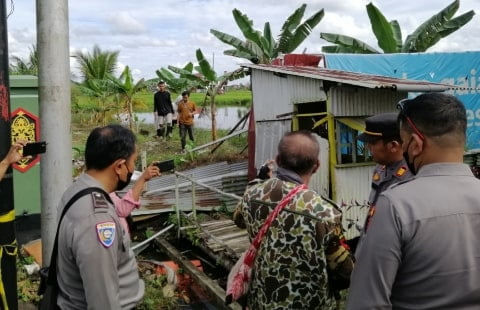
208	79
127	88
389	35
261	47
176	83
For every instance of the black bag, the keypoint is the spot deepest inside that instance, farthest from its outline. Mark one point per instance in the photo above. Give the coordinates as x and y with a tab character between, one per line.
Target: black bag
48	288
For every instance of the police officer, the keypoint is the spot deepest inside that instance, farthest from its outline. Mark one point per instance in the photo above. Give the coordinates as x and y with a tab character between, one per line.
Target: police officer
96	267
382	138
421	250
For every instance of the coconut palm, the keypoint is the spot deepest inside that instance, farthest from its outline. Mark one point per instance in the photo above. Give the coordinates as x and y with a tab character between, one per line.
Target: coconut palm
261	47
29	66
389	35
98	64
127	88
97	70
207	78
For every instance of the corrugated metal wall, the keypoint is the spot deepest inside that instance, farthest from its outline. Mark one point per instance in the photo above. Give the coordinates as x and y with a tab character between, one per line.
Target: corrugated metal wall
353	186
355	101
274	95
320	181
268	134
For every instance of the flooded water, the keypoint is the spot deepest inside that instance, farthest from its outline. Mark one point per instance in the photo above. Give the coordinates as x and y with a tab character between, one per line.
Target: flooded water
227	118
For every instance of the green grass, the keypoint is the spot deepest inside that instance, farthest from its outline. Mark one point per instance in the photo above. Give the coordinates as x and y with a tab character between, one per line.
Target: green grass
144	100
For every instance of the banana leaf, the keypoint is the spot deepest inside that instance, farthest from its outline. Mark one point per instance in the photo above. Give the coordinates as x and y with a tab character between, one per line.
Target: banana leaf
303	31
354	45
435	28
382	29
206	69
397	34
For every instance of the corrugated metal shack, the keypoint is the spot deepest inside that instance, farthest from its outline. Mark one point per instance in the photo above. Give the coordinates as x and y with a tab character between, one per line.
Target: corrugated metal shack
333	104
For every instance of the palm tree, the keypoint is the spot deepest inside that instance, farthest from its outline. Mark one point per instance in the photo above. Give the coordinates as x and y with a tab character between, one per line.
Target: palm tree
389	35
97	70
206	77
29	67
97	65
261	47
127	88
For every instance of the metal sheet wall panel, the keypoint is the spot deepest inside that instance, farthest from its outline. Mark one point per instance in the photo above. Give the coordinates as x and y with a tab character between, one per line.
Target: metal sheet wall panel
353	188
320	181
353	101
273	95
268	134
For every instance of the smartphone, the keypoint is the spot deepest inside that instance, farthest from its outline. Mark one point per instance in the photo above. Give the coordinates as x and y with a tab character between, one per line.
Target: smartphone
166	165
34	148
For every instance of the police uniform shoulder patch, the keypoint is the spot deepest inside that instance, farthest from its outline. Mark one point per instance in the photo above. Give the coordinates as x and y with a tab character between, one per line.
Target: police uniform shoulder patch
99	200
401	171
376	176
106	233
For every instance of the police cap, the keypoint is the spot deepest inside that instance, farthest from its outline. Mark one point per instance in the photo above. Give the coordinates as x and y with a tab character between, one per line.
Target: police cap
381	126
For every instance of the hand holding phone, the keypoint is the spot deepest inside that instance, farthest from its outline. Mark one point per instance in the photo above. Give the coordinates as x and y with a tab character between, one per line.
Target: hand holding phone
166	165
34	148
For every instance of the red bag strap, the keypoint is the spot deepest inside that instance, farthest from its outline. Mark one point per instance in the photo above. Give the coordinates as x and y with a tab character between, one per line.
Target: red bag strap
258	238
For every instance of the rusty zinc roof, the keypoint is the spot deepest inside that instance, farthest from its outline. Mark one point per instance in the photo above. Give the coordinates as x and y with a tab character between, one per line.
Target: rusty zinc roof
353	78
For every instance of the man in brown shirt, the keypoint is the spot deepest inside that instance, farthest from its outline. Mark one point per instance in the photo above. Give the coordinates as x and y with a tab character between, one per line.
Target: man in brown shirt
186	110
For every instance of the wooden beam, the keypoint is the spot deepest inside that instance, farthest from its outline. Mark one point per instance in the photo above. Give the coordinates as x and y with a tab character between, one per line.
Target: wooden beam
204	281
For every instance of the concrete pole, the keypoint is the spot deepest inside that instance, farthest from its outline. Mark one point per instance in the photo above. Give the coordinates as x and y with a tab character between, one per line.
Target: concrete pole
55	114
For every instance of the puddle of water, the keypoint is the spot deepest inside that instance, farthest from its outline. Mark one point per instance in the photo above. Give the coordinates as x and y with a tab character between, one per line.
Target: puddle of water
227	118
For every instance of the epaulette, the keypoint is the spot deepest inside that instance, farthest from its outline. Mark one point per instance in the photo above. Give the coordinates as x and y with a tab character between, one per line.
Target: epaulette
99	200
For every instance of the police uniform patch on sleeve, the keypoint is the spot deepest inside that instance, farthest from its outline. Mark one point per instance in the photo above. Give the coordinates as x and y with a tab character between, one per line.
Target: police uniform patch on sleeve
99	201
106	233
376	176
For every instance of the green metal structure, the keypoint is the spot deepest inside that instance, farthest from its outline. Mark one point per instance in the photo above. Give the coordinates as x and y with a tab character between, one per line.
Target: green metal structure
26	185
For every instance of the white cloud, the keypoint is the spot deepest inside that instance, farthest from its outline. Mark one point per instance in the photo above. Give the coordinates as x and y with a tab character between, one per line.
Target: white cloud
157	34
124	23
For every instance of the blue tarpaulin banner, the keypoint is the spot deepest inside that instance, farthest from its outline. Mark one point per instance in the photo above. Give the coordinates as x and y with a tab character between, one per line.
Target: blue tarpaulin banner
460	69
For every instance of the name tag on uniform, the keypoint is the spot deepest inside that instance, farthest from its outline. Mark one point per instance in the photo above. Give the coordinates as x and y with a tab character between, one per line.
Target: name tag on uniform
106	233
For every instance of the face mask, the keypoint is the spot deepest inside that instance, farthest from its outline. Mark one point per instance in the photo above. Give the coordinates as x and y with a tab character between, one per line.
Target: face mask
410	165
122	184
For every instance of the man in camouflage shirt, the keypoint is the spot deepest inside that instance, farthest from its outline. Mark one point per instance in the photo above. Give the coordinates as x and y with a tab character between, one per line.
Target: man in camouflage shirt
302	258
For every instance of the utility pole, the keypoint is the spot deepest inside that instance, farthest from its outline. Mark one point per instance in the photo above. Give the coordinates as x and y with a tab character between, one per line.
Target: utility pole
55	113
8	243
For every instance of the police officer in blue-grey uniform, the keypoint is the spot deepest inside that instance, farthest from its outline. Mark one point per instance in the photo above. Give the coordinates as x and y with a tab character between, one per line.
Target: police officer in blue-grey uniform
421	250
96	267
382	137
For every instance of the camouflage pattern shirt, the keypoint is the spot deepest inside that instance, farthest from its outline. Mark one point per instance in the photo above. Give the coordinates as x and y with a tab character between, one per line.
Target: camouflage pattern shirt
302	258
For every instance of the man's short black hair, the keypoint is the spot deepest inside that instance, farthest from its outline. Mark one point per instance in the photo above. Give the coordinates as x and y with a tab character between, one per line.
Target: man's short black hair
161	82
434	115
298	151
186	93
107	144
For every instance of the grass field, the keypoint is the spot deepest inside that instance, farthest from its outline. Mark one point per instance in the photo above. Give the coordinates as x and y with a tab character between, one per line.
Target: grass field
144	99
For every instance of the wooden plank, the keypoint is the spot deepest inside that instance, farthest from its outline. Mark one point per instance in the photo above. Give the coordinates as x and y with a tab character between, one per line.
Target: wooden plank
200	277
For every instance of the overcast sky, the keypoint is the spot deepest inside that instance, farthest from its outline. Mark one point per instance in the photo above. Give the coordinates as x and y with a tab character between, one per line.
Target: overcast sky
151	34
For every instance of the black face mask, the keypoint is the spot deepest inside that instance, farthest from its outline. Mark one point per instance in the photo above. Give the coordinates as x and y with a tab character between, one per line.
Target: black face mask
122	184
410	165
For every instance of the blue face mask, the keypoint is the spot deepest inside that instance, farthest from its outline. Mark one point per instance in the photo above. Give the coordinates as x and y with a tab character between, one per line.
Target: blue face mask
122	184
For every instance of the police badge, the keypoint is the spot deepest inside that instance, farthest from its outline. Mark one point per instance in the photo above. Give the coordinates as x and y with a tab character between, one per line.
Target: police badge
106	233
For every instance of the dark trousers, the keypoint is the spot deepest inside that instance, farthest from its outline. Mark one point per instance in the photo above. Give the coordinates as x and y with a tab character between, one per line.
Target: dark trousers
183	133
